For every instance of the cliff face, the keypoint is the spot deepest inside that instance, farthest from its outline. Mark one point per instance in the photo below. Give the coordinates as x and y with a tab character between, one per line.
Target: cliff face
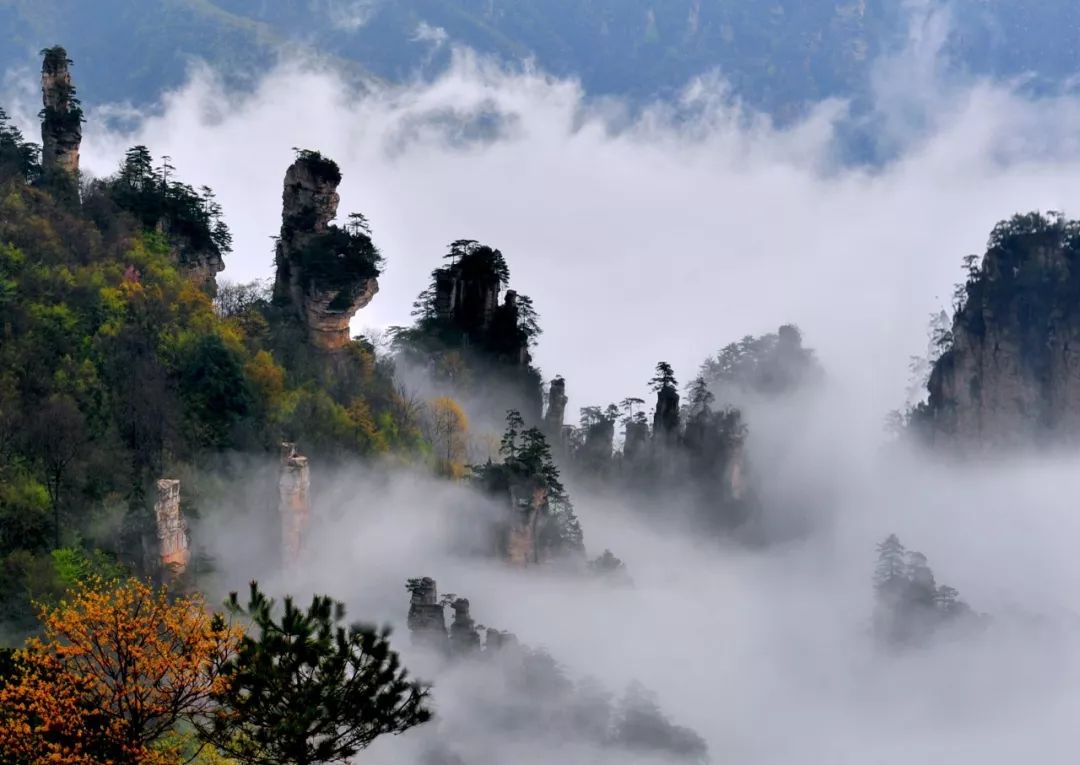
528	508
61	116
201	264
1010	372
325	274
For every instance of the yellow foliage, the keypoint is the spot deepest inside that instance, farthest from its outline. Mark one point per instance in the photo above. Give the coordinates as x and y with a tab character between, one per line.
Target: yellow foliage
364	426
116	668
268	379
449	427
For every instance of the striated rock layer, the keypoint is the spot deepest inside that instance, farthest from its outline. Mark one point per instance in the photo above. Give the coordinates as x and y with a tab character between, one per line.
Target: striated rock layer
325	274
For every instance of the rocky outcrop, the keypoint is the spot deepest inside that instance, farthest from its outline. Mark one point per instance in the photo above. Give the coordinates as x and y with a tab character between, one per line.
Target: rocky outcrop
1009	375
467	292
427	616
528	508
464	637
666	415
555	415
325	273
202	265
427	623
294	505
172	531
61	115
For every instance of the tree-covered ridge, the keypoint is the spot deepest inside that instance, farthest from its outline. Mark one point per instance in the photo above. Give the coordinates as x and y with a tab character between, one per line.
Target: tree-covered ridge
159	201
999	373
528	474
473	334
460	305
1027	272
769	364
690	453
117	367
911	607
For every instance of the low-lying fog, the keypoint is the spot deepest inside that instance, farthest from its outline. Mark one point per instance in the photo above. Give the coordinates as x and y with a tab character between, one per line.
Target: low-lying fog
666	236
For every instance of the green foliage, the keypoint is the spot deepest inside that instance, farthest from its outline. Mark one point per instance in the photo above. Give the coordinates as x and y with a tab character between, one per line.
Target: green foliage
322	168
19	159
75	566
117	369
527	459
305	688
159	202
340	258
214	389
70	117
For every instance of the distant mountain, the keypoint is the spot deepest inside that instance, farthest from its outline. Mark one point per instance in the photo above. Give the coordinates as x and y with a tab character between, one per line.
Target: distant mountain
778	54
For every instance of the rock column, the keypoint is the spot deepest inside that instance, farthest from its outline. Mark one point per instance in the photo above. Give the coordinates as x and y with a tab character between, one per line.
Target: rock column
427	618
464	639
172	532
61	124
294	482
320	269
556	411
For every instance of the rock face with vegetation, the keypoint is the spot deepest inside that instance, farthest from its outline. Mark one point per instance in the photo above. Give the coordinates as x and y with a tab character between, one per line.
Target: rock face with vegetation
539	523
465	337
1009	371
61	115
325	273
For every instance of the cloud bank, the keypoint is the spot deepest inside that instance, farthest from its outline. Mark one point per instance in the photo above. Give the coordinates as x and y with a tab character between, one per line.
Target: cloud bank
665	234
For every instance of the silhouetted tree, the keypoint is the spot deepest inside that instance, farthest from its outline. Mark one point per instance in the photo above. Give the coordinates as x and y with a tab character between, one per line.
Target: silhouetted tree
307	689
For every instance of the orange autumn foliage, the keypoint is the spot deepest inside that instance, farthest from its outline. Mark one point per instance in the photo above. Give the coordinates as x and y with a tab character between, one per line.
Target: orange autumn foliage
116	668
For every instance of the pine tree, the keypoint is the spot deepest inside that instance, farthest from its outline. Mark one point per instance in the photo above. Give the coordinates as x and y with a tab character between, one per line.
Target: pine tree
306	689
891	568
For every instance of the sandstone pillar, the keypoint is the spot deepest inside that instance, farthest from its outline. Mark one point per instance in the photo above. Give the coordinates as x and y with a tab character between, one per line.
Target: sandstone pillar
172	532
294	482
61	124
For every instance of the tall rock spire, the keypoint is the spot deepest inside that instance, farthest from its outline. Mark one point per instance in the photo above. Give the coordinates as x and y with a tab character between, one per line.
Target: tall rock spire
294	483
325	273
61	115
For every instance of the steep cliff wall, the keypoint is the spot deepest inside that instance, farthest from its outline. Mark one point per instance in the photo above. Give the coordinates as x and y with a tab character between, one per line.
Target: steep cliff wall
325	273
61	115
1009	375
